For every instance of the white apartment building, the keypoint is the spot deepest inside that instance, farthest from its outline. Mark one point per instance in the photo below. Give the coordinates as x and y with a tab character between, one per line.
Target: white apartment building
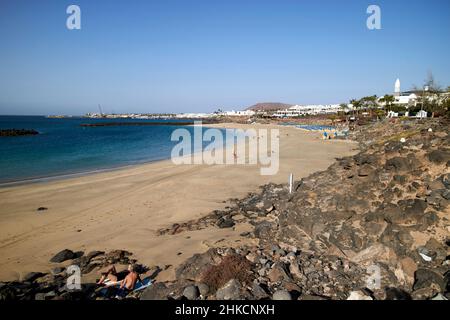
313	109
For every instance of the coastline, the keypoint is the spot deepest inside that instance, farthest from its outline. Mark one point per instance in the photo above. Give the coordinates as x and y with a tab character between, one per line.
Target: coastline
70	175
123	208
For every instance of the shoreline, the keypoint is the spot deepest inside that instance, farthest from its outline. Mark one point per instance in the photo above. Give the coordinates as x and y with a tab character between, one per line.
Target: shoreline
125	208
71	175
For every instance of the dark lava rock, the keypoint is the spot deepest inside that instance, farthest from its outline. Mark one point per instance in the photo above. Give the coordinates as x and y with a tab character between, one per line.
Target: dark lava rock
63	255
225	223
279	272
426	278
17	132
57	270
7	293
362	159
191	292
157	291
259	292
193	268
203	288
397	294
94	254
262	229
398	164
32	276
446	180
230	291
365	170
439	156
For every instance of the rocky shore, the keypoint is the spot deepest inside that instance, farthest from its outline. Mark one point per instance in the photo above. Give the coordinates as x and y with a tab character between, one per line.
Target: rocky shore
373	226
17	132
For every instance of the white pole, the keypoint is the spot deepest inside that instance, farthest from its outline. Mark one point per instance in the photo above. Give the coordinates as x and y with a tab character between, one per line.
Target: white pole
291	181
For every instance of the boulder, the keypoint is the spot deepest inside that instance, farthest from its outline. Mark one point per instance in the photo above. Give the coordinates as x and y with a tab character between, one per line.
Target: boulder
398	164
278	272
203	288
32	276
230	291
358	295
397	294
262	229
57	270
282	295
439	156
194	267
365	170
191	292
157	291
225	222
426	278
63	255
258	291
7	293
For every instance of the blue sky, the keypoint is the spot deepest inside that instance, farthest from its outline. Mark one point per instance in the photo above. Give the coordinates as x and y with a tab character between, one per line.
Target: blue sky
195	55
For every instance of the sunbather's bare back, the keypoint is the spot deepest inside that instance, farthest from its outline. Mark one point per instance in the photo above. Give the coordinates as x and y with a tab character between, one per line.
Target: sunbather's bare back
130	280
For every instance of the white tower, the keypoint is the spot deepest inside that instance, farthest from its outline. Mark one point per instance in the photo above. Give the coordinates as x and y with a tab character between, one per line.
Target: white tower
397	87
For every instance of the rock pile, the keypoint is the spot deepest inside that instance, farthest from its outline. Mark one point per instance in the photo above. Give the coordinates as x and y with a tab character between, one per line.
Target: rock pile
17	132
56	285
371	226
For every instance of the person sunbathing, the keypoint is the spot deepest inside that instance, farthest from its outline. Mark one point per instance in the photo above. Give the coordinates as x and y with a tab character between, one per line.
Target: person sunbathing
110	275
130	280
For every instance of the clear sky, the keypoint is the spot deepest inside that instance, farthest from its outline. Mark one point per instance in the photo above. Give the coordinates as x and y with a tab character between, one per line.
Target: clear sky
198	55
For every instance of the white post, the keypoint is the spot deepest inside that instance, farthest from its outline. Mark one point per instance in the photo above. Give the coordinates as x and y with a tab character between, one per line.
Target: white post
291	181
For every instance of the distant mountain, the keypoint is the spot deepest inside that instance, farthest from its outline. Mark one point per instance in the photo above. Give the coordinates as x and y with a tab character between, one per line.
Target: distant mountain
266	106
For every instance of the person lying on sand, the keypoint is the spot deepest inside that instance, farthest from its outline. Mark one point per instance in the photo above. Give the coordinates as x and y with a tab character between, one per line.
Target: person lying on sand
110	275
127	284
120	288
130	280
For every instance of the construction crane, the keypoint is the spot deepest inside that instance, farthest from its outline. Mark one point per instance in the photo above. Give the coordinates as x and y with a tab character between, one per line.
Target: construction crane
100	109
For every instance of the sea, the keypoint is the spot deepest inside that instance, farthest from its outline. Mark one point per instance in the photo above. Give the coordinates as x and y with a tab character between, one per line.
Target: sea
64	148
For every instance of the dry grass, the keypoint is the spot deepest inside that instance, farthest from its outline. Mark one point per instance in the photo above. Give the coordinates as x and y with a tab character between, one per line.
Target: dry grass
396	137
232	267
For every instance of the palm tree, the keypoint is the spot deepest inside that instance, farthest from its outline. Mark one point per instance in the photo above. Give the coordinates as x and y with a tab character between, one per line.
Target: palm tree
388	100
356	105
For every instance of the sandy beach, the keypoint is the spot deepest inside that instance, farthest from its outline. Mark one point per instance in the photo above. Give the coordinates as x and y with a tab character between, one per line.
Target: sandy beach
123	209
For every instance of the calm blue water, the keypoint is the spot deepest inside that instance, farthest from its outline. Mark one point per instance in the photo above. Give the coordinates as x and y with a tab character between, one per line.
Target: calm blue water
63	147
310	127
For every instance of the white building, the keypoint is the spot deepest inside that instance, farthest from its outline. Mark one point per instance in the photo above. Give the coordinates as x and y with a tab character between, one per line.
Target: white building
408	98
302	110
232	113
421	114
